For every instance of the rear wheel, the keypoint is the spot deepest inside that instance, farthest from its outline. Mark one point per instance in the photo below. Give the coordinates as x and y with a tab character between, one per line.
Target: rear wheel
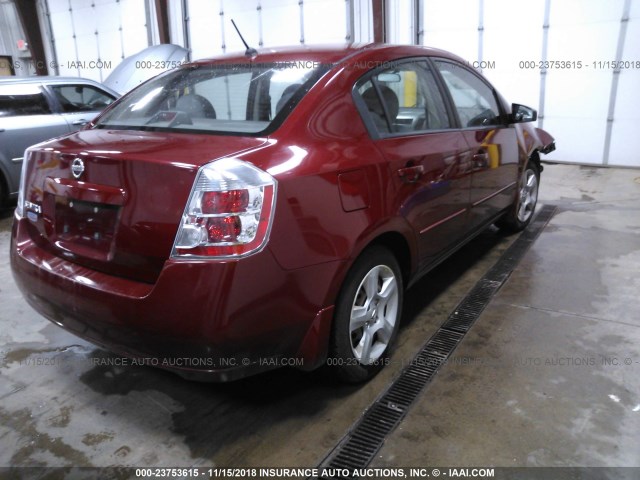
367	316
521	213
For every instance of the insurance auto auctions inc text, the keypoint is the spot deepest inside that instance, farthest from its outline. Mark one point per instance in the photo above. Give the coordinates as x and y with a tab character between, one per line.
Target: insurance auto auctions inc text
361	473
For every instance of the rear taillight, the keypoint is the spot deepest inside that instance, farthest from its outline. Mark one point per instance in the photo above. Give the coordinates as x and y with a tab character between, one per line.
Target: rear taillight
229	212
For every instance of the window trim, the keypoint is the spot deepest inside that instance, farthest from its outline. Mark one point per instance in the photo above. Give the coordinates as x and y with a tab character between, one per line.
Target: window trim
54	104
385	109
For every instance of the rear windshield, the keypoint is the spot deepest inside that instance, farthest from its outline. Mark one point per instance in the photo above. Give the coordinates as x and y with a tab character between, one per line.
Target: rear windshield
232	99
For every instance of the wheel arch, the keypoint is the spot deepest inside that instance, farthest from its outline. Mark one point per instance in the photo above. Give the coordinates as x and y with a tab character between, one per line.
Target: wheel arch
534	157
398	245
315	345
388	249
395	234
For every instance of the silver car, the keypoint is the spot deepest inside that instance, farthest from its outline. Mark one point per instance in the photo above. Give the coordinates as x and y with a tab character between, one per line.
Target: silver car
38	108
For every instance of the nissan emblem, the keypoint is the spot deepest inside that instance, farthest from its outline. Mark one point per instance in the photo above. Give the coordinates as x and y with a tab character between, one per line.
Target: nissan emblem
77	167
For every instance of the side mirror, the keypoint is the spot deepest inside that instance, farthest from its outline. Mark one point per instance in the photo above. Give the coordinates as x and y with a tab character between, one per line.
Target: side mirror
522	113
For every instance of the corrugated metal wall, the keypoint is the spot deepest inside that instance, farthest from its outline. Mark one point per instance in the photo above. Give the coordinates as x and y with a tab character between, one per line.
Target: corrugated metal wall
10	33
267	23
90	38
576	61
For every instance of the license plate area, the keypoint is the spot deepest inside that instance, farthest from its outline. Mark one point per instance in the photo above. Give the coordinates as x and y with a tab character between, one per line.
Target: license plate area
85	228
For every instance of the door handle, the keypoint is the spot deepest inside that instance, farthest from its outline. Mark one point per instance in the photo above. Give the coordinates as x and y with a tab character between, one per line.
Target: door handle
81	122
411	174
480	160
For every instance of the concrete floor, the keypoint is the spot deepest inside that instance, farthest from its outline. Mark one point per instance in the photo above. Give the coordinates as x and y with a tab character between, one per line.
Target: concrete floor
537	393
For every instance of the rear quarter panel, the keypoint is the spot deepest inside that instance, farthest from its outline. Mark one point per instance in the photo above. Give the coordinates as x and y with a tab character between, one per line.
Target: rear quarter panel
320	144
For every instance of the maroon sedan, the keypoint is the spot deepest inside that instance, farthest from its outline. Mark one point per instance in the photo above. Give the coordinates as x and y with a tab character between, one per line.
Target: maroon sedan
251	211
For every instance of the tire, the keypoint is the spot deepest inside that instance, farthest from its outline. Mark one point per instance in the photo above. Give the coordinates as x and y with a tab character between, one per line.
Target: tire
367	317
521	212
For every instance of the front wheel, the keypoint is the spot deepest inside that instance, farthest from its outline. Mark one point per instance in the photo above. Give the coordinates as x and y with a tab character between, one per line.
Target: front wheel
367	316
521	212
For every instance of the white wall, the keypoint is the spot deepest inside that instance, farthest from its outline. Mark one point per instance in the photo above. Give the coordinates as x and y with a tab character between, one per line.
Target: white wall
625	140
272	23
92	37
575	102
362	21
400	21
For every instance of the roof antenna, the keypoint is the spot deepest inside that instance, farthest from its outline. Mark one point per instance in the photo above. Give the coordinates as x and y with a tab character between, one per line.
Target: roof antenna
249	52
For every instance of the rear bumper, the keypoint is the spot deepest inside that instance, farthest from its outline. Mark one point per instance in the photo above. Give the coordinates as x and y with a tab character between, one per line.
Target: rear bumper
207	320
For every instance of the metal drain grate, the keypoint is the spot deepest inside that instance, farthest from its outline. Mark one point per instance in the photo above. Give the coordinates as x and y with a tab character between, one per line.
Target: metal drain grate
472	305
358	447
442	343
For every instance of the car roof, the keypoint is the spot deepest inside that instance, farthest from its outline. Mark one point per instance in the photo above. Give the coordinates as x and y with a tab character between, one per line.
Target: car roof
334	53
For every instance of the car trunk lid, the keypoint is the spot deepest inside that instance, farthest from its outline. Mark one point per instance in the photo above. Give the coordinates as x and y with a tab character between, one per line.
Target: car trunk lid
112	200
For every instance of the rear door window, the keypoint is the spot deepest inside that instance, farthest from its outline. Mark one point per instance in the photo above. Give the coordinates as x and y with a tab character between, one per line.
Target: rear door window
404	99
22	100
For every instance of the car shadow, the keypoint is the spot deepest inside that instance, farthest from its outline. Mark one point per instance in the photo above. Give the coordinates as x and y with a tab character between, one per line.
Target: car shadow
212	415
441	278
6	217
6	211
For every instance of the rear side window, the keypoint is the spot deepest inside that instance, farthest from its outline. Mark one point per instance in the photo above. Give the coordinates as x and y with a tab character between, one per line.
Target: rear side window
404	99
81	98
473	99
22	100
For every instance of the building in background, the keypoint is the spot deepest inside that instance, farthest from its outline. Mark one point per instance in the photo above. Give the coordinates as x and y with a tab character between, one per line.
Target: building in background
15	56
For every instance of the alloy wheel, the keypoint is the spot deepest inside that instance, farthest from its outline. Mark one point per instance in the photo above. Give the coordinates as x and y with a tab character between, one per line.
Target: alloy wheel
528	195
374	314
